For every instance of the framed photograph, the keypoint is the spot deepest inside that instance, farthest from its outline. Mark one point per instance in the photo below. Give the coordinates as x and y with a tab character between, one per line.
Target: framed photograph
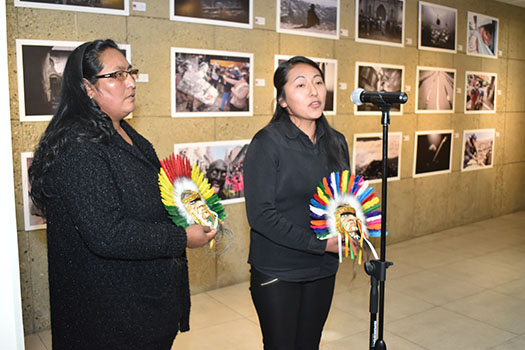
480	92
236	13
319	18
482	35
40	64
378	77
437	27
223	164
329	68
33	218
207	83
368	156
110	7
432	152
380	22
478	149
435	90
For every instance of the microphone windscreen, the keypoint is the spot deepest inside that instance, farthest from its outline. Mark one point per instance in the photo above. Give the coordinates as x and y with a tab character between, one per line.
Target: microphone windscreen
356	96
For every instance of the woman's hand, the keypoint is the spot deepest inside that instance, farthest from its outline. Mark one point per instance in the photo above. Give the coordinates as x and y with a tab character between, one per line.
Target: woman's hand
331	245
198	236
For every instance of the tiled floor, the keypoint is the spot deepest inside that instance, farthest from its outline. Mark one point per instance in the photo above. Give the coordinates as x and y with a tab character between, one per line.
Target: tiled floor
458	289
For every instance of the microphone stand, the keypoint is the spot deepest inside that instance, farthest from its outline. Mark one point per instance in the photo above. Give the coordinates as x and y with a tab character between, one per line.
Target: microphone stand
376	269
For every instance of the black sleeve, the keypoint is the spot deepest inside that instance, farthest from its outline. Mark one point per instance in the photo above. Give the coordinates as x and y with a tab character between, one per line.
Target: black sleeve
260	177
88	190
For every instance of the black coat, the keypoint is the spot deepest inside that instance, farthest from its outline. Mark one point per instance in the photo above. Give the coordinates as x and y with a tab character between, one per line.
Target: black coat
118	275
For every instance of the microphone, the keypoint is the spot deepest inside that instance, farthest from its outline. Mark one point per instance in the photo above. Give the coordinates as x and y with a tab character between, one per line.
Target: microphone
379	98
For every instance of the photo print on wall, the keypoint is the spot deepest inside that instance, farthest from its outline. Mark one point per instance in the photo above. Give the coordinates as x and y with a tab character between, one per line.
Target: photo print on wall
40	64
480	92
33	218
231	13
435	90
378	77
222	162
478	149
110	7
368	156
380	22
482	35
208	83
432	152
319	18
437	27
329	68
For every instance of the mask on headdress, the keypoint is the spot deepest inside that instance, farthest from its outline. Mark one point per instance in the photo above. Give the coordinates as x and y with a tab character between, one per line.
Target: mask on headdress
189	198
346	207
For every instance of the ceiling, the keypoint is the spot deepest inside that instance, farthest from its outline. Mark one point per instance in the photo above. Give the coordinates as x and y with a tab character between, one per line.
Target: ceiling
520	3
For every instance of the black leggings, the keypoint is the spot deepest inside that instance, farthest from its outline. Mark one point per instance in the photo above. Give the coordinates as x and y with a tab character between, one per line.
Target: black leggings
291	314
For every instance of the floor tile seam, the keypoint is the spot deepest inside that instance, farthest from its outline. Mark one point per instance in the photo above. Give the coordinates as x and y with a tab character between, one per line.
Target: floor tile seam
216	324
415	296
433	265
42	340
501	284
470	318
492	291
346	312
408	340
432	307
483	322
412	315
341	290
459	279
434	271
36	339
440	304
504	266
478	284
505	342
225	305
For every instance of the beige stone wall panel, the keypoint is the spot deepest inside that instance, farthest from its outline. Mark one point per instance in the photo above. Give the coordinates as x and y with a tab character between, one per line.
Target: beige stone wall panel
416	207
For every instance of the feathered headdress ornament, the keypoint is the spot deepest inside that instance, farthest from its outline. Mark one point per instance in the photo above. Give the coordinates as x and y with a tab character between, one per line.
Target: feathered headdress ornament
345	206
188	197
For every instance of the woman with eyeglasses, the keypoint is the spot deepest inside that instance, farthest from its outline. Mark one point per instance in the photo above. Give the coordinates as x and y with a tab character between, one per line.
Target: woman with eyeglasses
118	275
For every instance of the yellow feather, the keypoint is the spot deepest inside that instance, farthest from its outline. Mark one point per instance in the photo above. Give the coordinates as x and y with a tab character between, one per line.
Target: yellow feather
344	181
321	194
370	203
166	188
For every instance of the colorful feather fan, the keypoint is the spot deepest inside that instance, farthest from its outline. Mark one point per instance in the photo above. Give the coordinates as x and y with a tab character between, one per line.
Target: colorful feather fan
345	206
187	195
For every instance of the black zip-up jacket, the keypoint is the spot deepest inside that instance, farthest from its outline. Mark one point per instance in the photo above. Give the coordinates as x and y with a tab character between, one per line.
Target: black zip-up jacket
282	170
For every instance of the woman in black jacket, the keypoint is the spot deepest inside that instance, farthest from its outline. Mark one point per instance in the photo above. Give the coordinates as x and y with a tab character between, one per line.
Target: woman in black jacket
292	272
118	275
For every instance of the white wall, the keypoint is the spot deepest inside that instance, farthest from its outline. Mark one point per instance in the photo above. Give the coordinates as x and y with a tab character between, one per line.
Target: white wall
11	329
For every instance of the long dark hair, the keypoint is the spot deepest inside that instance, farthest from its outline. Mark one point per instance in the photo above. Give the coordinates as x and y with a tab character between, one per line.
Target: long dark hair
77	118
330	144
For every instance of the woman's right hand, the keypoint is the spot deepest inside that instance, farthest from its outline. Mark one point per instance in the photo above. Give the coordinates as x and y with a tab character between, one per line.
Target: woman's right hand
331	245
198	236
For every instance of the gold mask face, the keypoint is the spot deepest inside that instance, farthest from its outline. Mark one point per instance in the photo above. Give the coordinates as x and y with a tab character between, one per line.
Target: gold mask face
346	220
198	209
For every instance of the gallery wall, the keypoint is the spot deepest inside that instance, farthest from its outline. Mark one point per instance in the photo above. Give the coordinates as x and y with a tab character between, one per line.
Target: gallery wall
416	205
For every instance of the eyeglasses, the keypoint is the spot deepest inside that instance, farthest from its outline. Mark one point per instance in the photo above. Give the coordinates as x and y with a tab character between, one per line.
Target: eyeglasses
120	75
